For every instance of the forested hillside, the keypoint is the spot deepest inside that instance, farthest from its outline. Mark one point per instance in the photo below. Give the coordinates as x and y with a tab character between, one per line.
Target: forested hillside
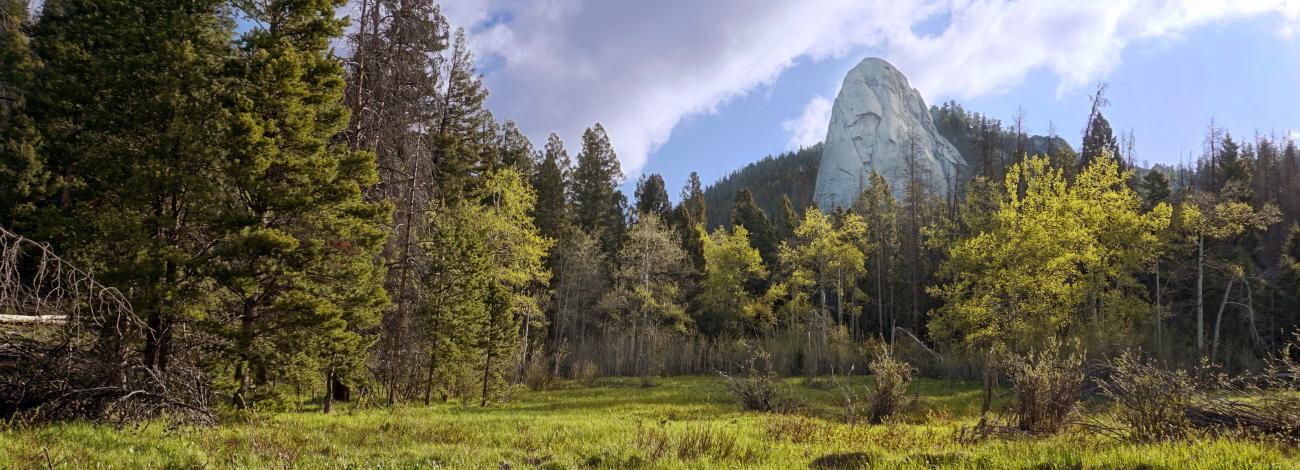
792	174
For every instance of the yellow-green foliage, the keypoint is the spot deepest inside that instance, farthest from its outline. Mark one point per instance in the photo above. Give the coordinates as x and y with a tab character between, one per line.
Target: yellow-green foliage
1056	258
682	423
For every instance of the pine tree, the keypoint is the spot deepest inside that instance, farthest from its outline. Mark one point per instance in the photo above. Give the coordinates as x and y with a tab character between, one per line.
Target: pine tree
464	134
1232	165
551	181
786	218
692	213
1098	140
23	177
393	92
129	100
1154	189
652	197
298	245
515	150
597	202
762	236
877	206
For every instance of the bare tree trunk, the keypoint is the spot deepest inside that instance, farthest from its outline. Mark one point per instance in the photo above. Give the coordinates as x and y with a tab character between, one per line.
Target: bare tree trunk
328	402
1214	346
487	372
1200	294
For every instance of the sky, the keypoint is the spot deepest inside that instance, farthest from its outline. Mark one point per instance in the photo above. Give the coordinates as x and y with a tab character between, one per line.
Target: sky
686	85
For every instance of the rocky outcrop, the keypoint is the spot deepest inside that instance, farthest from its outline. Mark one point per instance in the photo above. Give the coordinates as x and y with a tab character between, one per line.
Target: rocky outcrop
878	122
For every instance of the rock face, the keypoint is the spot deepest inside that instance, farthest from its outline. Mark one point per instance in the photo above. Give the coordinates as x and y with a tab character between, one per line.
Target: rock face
876	122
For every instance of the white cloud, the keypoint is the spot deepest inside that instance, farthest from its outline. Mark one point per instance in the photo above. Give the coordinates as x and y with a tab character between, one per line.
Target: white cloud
641	67
810	127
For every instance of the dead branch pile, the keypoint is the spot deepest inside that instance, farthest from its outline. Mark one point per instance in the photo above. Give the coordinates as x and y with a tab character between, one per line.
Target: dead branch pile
68	347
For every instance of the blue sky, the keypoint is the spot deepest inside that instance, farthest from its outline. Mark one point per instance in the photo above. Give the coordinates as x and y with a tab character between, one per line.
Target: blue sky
709	86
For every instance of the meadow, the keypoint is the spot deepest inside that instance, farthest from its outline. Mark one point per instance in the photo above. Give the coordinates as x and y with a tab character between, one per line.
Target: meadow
688	422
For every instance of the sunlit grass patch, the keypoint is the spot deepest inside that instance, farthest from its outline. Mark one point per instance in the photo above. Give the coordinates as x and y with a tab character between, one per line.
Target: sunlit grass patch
688	422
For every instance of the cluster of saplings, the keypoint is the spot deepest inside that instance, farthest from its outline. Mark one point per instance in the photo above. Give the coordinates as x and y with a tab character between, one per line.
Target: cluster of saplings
292	223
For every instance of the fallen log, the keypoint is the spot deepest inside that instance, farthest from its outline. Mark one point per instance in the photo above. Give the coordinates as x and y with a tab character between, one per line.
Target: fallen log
38	319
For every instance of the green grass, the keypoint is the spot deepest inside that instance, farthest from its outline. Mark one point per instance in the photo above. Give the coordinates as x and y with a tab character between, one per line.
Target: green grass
687	422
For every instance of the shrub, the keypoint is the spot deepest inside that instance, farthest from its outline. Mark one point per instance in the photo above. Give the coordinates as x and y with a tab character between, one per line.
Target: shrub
889	394
586	372
760	388
1047	386
1150	401
537	373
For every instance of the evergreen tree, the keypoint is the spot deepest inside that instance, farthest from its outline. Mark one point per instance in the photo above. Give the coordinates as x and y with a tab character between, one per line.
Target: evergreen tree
464	133
652	197
876	205
23	178
1097	141
1289	279
129	100
298	243
515	150
551	181
1232	165
786	218
692	213
392	89
1154	190
762	236
597	202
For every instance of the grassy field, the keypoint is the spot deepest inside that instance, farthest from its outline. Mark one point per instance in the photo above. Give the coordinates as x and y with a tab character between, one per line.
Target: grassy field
680	423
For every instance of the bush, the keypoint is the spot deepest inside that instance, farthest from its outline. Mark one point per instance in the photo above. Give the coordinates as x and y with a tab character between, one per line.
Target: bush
586	372
1047	386
1150	401
760	388
889	394
537	373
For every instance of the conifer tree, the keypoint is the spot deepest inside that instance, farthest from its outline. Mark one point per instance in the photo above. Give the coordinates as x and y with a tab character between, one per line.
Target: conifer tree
691	212
392	89
762	236
298	242
515	150
464	134
129	102
1154	189
551	181
652	197
786	218
23	178
597	202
